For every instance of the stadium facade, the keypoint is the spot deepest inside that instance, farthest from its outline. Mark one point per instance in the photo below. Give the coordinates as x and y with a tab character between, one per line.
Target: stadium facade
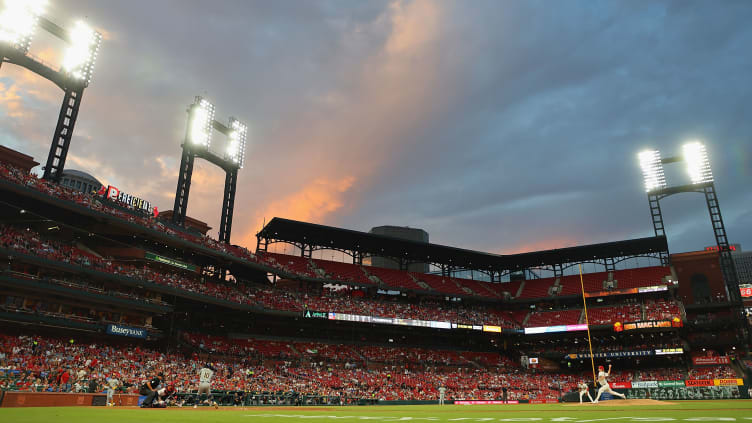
82	269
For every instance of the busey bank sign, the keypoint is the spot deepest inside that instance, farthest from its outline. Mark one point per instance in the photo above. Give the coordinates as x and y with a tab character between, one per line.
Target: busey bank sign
126	331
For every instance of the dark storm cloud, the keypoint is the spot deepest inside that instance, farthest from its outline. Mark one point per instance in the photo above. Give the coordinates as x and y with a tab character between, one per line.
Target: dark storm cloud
565	99
502	126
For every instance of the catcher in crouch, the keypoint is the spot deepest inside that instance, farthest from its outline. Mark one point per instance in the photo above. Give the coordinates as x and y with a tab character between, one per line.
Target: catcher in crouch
603	381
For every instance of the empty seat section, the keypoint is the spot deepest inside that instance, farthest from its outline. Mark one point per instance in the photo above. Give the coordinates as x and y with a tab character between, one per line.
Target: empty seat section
570	284
293	264
394	278
536	288
479	288
645	276
345	272
440	283
502	287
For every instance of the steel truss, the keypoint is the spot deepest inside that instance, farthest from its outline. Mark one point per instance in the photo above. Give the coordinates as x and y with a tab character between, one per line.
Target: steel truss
448	270
182	192
719	230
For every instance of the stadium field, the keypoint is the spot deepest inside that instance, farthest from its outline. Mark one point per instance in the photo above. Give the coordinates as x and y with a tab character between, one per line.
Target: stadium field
629	411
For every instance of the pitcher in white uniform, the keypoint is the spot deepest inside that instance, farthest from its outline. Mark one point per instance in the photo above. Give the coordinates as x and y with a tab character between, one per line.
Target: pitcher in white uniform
605	387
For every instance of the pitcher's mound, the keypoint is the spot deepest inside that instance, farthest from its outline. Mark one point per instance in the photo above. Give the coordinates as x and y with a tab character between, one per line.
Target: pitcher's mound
623	403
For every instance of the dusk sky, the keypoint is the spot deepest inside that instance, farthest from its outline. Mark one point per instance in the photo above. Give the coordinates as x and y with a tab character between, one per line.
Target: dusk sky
502	126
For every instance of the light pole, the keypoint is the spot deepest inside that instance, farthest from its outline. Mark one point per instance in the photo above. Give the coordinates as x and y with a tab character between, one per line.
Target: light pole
695	157
18	24
201	124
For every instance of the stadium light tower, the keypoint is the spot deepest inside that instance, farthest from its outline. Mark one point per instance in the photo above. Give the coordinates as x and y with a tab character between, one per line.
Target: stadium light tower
201	125
695	157
19	20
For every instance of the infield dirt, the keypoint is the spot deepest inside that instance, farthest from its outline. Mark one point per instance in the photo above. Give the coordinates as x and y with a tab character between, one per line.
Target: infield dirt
622	403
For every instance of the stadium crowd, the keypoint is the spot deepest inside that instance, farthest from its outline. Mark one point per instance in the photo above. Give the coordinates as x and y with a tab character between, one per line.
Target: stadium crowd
289	264
67	365
342	301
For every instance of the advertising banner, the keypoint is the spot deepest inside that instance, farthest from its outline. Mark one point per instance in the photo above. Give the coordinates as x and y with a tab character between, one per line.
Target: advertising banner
610	354
315	314
620	385
127	331
701	361
626	291
745	289
670	383
645	384
699	382
481	402
543	401
113	194
168	261
669	351
652	324
385	320
683	393
554	329
728	382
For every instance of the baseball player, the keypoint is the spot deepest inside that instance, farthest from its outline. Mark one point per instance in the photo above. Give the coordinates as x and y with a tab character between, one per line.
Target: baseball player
159	397
442	394
584	390
603	381
112	385
205	376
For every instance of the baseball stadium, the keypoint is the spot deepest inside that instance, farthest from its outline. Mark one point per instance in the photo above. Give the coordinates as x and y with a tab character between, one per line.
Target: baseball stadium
115	307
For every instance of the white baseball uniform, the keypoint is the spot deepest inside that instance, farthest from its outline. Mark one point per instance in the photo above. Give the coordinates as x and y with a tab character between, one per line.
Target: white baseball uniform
605	387
204	377
584	391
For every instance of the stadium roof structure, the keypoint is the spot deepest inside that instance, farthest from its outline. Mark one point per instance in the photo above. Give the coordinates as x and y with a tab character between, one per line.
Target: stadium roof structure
310	236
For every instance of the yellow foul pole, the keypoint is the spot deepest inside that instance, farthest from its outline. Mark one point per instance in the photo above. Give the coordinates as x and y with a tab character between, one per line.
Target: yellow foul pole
587	323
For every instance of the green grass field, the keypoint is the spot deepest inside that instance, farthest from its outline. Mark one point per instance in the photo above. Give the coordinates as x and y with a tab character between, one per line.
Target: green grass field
679	411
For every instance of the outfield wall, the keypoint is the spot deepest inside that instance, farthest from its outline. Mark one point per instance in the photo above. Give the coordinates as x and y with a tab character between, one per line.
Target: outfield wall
61	399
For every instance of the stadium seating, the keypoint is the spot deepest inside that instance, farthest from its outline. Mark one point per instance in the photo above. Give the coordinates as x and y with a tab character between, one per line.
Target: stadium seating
30	242
550	318
489	359
480	289
441	284
661	310
570	284
292	264
394	278
608	315
328	352
712	372
59	365
639	277
343	271
536	288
